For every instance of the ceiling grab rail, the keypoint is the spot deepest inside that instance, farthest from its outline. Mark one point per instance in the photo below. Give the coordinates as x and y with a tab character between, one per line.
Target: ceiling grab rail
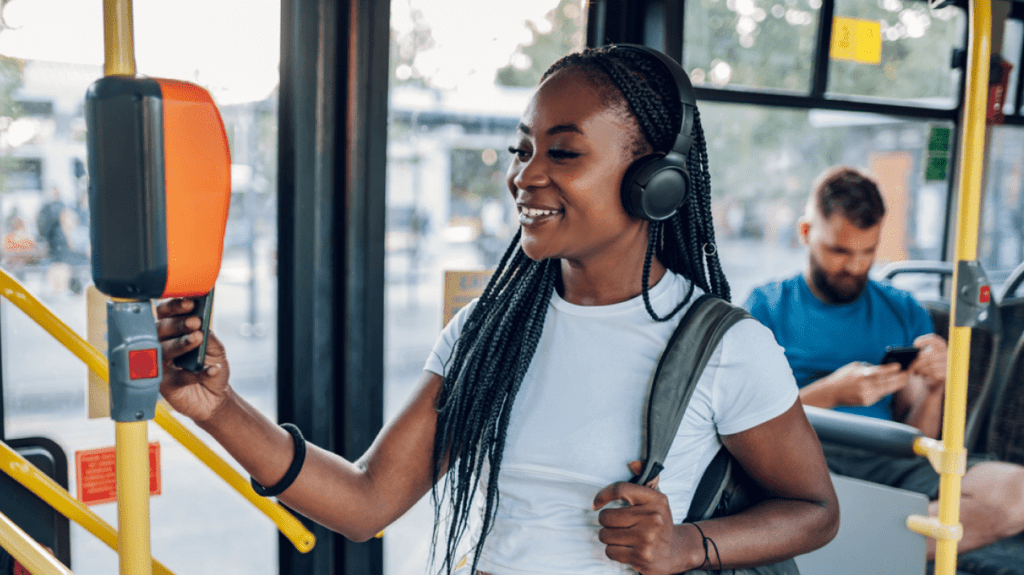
288	524
968	307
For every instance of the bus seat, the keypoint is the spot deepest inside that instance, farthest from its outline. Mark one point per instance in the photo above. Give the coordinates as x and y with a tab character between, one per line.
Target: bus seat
1005	437
985	354
873	537
981	404
32	514
987	346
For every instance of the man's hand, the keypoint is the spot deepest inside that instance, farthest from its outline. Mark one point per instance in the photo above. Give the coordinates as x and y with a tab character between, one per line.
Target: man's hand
856	383
930	362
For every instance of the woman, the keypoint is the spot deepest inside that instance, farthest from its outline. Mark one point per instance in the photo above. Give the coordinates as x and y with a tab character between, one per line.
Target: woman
534	391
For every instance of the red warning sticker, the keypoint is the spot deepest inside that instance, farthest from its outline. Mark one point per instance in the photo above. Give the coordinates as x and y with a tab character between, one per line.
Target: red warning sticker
96	475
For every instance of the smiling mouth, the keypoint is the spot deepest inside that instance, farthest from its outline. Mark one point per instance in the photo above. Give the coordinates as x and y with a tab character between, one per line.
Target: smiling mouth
529	216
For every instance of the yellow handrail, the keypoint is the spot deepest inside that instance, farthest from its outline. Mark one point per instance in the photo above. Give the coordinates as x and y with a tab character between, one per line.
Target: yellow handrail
950	456
26	551
45	488
291	527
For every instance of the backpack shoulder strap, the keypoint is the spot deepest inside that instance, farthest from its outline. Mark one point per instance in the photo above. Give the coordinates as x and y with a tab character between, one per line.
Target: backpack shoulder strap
680	367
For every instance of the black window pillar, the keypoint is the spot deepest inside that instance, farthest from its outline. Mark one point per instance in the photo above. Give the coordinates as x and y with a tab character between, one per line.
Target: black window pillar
332	158
615	21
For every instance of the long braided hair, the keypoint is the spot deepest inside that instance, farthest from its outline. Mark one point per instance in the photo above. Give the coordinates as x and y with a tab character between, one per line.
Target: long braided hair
498	340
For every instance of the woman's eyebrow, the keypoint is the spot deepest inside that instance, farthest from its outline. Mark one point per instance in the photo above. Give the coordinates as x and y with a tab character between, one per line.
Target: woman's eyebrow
559	129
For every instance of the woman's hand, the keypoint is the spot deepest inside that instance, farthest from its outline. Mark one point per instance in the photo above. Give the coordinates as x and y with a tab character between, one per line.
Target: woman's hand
196	395
641	534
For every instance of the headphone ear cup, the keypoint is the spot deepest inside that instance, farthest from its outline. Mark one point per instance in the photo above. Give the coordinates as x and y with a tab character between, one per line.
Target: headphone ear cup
654	187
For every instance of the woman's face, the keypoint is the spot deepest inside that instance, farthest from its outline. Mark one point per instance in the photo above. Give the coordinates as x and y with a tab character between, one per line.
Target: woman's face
566	172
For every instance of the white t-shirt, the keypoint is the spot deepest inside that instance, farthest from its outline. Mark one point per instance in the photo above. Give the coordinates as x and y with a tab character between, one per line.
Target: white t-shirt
576	423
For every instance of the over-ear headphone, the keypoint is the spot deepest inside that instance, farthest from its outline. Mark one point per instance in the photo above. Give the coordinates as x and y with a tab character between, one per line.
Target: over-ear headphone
656	185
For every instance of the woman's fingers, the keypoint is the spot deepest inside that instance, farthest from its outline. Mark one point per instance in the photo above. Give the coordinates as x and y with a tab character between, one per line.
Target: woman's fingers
174	306
176	346
177	325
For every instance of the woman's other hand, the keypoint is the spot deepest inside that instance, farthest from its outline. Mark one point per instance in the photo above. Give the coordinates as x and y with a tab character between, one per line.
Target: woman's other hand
196	395
642	534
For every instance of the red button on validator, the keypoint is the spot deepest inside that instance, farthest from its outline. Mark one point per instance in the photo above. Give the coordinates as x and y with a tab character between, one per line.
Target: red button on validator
142	364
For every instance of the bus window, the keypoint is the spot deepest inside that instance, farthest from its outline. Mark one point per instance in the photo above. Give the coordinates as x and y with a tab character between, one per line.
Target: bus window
1001	233
50	52
906	68
1013	43
458	87
764	161
750	43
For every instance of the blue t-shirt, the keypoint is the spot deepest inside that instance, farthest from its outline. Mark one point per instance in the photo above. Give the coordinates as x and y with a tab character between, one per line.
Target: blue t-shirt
819	338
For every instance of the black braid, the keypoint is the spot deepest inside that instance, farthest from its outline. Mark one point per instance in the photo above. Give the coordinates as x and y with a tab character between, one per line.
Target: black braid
488	364
498	341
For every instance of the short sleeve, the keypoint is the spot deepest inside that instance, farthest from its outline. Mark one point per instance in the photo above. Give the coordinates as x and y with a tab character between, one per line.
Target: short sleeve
753	383
442	352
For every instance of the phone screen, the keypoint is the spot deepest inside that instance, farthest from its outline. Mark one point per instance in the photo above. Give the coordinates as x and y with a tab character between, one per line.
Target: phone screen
195	360
901	355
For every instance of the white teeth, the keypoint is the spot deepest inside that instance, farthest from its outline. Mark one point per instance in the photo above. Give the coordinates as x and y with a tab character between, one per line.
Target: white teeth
536	213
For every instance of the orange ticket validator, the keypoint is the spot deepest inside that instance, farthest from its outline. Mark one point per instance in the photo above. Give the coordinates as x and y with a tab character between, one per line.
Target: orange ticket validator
159	187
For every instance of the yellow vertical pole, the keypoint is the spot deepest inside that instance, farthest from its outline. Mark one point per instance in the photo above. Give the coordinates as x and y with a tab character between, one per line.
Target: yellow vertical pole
132	448
118	38
972	152
132	460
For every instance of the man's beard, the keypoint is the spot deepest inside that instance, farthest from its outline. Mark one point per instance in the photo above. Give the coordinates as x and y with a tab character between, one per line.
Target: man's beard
833	292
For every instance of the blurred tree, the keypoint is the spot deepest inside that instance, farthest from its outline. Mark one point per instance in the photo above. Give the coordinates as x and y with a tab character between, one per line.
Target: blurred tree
405	46
10	80
562	31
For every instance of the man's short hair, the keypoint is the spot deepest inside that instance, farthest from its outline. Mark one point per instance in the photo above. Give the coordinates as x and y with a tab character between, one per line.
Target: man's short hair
850	193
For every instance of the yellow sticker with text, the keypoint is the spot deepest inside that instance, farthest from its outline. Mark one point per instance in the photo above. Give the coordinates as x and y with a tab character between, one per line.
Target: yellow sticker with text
856	40
460	287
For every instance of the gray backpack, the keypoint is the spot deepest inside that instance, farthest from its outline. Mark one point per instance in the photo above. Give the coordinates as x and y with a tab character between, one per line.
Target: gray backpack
724	489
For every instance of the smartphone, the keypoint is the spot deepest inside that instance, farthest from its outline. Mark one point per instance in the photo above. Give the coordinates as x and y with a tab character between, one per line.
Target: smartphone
195	360
901	355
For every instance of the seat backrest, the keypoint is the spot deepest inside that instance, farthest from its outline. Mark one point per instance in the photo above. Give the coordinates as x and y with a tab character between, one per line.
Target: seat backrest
1005	437
982	347
988	359
873	535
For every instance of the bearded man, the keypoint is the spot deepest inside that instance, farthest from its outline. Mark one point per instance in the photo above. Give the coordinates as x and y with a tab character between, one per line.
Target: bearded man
835	325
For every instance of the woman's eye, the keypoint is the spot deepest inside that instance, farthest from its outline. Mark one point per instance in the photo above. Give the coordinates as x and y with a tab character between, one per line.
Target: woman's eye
519	153
562	154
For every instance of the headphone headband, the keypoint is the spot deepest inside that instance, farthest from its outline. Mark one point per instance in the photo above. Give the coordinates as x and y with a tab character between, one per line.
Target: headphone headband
684	90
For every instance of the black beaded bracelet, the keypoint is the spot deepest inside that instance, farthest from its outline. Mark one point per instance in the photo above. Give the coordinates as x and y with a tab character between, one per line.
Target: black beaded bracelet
293	470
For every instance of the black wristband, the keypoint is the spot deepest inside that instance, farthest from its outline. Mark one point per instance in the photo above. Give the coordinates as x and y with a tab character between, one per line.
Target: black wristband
293	470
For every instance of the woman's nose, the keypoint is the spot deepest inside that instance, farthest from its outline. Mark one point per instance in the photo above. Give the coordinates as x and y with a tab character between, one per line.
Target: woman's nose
530	174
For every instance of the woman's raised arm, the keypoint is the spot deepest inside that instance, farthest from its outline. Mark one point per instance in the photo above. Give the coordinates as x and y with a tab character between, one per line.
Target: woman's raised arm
356	499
